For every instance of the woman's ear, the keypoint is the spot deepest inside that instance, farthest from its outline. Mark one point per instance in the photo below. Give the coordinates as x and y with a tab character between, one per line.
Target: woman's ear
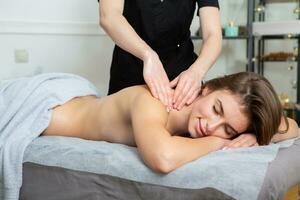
204	91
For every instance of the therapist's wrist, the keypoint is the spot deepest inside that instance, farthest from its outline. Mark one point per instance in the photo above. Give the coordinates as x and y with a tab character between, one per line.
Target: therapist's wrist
199	70
148	54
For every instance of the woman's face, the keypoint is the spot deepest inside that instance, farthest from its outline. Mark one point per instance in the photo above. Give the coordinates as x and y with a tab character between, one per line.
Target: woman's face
217	113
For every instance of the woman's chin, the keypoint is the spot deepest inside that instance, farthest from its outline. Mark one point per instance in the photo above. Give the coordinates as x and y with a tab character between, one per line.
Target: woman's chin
194	135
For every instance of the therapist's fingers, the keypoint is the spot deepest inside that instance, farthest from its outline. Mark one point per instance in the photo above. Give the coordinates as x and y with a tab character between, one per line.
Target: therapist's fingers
153	89
185	99
157	79
174	82
188	94
188	81
162	94
193	97
182	89
167	90
165	93
178	91
170	98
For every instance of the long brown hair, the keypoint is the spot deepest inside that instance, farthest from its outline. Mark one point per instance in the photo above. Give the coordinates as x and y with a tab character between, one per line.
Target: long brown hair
259	100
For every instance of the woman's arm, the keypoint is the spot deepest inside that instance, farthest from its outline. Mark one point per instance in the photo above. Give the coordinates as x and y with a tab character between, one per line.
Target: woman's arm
189	82
159	150
292	132
123	34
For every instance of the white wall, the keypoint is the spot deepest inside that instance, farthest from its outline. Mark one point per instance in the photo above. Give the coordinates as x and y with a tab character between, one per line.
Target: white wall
59	36
55	10
64	36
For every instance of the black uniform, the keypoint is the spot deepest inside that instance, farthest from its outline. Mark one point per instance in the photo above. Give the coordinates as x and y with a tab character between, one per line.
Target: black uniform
165	26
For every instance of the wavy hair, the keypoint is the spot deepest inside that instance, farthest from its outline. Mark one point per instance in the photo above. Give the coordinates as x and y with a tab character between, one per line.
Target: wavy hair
259	101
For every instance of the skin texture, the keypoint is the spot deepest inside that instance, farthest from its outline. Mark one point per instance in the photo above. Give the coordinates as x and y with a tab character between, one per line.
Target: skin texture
188	83
133	117
217	113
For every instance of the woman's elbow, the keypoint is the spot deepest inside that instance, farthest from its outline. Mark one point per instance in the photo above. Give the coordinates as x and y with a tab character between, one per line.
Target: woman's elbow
162	167
162	164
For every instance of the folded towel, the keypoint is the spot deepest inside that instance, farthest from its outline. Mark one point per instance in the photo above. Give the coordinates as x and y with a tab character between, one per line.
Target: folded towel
25	111
238	173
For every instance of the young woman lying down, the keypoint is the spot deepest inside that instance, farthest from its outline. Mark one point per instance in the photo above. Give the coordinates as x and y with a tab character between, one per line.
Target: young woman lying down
238	110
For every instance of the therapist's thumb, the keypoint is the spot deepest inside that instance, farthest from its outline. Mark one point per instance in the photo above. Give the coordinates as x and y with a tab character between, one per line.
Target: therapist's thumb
174	82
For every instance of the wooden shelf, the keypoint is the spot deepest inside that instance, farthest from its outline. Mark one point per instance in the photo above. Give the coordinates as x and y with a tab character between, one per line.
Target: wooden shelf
276	28
280	37
224	38
279	60
278	1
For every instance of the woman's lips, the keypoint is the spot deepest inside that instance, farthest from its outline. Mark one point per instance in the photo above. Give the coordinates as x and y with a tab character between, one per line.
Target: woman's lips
199	129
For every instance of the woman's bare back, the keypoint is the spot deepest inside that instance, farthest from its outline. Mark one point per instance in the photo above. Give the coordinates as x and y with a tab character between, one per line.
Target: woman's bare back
69	119
93	118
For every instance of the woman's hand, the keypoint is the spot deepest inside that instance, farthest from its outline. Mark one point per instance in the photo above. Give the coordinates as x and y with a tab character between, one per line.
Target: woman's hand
157	79
188	85
221	142
244	140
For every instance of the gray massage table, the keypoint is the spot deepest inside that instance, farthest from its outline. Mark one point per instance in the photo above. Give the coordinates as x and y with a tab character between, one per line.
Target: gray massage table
58	183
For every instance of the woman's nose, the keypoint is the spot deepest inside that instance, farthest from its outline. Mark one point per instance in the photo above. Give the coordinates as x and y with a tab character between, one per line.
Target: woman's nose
214	123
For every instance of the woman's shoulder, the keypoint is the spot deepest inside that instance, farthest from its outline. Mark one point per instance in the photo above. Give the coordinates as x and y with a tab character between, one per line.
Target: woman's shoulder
129	96
136	90
139	95
138	101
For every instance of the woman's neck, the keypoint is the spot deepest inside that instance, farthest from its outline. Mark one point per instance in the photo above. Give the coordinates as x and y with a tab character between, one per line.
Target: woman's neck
178	120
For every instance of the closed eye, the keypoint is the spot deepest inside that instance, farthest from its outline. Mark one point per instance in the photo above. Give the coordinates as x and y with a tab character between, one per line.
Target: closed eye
230	131
215	110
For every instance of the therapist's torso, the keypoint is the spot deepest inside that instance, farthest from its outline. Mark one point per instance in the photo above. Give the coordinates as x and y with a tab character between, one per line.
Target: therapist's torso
165	26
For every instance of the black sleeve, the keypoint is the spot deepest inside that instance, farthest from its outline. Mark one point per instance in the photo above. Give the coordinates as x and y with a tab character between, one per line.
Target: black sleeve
203	3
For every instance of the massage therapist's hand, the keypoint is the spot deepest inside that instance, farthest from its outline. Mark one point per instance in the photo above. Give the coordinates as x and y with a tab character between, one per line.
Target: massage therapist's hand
244	140
157	79
188	86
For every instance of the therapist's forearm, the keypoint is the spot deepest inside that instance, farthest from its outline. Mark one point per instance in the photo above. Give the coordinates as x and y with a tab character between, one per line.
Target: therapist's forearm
210	51
121	32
